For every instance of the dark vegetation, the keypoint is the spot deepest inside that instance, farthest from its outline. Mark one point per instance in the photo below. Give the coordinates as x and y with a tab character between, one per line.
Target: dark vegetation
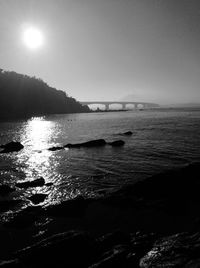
24	96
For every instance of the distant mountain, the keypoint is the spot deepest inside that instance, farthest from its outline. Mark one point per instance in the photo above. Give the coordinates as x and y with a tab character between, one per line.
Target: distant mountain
153	97
140	96
24	96
183	105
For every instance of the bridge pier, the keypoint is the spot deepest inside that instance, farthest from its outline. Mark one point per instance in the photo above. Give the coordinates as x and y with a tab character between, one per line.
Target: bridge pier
145	106
106	106
123	106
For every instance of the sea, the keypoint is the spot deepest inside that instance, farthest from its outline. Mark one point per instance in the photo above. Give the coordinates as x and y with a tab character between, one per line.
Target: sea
162	139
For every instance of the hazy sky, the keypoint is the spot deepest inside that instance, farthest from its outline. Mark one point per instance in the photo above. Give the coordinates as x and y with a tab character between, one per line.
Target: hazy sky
108	49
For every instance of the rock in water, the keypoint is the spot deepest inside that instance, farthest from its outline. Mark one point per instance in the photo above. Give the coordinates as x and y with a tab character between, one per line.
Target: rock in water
13	146
37	198
93	143
55	148
35	183
128	133
49	184
116	143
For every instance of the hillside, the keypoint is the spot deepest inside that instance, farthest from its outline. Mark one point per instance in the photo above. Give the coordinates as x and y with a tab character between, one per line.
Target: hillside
24	96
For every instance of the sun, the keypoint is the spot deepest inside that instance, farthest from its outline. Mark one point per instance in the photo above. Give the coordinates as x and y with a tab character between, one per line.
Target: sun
33	38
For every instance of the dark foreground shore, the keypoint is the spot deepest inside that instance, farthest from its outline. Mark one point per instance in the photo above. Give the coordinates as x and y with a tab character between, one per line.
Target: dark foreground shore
154	223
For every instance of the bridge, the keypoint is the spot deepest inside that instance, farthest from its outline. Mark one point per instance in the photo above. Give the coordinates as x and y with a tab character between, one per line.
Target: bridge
122	103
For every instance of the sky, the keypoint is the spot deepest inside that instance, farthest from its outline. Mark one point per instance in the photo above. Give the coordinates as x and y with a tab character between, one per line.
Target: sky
138	50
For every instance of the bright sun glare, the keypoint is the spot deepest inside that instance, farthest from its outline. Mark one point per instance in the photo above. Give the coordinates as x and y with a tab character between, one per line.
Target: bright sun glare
33	38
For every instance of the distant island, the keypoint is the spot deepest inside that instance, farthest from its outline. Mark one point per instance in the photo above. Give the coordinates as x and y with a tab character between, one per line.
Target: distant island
24	96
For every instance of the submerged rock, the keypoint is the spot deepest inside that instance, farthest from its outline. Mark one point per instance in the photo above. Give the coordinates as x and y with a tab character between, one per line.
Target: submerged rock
127	133
55	148
117	143
12	146
93	143
37	198
5	190
34	183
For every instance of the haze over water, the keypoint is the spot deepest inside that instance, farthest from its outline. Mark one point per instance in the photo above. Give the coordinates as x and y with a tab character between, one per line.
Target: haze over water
162	139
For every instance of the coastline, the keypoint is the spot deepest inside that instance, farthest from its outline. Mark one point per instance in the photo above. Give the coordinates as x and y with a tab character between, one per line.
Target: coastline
118	229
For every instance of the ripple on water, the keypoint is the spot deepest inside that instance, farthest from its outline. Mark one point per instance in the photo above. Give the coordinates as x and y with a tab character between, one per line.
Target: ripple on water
161	140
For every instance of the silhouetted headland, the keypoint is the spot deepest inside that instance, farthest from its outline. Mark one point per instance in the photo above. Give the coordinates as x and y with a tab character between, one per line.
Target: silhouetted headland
23	96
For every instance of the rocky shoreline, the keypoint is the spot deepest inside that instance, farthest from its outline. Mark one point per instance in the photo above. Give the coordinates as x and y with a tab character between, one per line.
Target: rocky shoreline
154	223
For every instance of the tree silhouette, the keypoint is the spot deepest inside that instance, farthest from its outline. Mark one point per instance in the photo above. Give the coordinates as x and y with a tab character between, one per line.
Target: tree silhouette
24	96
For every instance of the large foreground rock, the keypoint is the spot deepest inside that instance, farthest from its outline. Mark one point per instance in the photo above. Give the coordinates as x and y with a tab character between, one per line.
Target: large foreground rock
180	250
70	249
165	208
25	218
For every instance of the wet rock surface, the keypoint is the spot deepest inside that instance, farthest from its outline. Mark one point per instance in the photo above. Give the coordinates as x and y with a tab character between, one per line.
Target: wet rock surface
117	143
154	223
93	143
37	198
70	249
56	148
25	218
35	183
79	249
180	250
75	207
127	133
12	146
10	264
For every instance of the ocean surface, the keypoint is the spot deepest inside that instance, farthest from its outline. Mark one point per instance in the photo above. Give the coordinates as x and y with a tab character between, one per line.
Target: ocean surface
162	139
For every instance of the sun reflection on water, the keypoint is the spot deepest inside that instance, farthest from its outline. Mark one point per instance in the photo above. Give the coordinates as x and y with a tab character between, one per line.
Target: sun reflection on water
35	160
38	133
37	136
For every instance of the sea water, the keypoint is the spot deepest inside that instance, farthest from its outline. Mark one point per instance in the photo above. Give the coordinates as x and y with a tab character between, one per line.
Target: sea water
162	139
